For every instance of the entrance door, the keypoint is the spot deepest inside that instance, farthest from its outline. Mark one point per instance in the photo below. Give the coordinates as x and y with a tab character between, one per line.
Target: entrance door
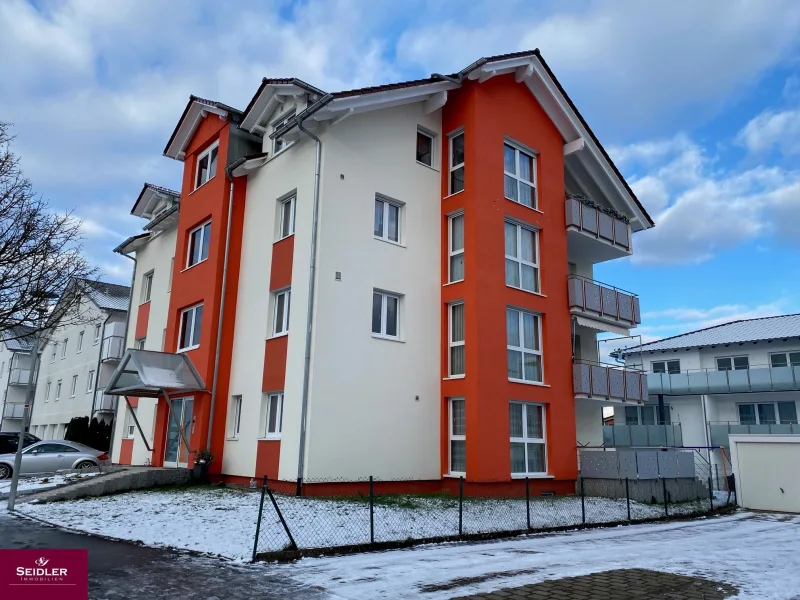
179	424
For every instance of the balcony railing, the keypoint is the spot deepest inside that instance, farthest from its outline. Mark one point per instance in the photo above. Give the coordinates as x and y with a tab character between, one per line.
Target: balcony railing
608	382
720	430
19	376
113	347
710	381
597	299
13	411
104	402
586	218
626	436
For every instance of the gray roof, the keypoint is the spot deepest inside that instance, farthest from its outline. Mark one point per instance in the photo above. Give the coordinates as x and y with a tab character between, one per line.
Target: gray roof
108	296
18	343
745	330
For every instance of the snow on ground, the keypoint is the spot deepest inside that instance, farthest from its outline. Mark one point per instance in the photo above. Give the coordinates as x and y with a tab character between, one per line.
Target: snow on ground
43	483
758	553
222	521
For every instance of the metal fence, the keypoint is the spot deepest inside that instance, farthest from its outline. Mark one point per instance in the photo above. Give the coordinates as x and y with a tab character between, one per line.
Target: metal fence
332	517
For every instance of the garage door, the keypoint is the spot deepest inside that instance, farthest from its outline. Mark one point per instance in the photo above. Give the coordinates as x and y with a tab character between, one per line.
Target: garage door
768	477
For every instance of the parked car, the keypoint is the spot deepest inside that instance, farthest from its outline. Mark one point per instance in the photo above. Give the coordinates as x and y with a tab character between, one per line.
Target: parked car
51	456
10	439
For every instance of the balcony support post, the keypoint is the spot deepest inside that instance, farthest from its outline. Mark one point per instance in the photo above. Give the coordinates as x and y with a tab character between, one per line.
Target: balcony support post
662	412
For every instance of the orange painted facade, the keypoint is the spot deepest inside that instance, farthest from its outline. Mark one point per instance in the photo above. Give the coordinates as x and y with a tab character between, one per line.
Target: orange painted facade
268	456
142	320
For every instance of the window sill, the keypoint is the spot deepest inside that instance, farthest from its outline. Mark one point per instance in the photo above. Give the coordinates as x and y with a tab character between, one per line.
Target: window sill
278	335
452	282
524	382
199	262
455	475
140	304
286	237
387	338
181	350
380	239
202	184
453	377
513	287
532	476
270	438
524	205
232	439
431	167
453	194
279	152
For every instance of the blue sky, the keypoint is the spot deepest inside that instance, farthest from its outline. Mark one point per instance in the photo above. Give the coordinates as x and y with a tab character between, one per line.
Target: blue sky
697	102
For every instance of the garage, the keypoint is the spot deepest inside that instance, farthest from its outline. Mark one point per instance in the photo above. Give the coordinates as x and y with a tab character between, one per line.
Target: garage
766	471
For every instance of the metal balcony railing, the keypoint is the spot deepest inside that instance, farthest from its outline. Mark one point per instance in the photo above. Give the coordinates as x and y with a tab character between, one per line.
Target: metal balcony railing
720	430
655	435
113	347
13	411
758	378
605	301
608	382
587	218
104	402
19	376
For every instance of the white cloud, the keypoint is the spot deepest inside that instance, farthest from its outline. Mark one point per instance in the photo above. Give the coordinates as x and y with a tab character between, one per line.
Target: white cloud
772	129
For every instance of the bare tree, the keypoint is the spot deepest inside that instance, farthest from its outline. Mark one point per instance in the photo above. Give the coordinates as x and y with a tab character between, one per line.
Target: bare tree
40	254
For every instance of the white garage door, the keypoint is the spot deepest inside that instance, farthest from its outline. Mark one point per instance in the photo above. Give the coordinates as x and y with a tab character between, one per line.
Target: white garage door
768	476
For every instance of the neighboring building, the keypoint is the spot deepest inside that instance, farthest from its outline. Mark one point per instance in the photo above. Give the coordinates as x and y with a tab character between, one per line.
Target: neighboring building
15	365
452	283
739	377
78	358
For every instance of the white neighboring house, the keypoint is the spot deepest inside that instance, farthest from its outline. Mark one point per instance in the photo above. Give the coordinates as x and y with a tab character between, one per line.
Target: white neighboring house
15	363
78	359
741	377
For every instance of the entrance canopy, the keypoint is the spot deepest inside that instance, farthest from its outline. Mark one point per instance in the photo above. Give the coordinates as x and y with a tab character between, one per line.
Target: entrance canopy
150	374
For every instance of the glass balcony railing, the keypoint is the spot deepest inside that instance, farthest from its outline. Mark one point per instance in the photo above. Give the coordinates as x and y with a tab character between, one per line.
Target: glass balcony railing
720	430
598	223
104	402
13	411
19	376
608	382
628	436
113	347
597	299
710	381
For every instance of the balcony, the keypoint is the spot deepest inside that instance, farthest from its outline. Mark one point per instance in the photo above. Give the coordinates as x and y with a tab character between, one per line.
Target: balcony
113	348
19	376
720	430
596	232
104	402
628	436
609	383
603	302
13	411
710	381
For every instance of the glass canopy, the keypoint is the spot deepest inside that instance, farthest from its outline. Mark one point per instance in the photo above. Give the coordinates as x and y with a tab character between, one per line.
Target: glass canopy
148	374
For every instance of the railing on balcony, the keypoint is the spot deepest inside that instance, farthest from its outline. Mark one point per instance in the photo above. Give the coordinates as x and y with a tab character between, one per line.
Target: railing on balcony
711	381
13	411
601	300
587	218
19	376
608	382
104	402
720	430
656	435
113	347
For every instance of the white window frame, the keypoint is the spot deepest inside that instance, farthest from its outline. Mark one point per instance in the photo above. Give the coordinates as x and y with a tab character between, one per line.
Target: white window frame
278	144
80	343
139	344
130	424
432	137
147	287
282	328
665	362
74	387
453	167
520	261
58	390
201	243
207	152
384	304
733	362
97	333
533	183
786	355
195	343
64	349
774	403
525	440
454	344
90	382
292	201
451	437
385	203
520	312
273	435
47	392
236	417
450	252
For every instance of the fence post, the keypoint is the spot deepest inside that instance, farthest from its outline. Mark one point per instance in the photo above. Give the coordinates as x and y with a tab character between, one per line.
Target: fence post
260	514
583	504
283	522
710	493
460	505
666	499
628	498
716	470
528	503
371	512
299	489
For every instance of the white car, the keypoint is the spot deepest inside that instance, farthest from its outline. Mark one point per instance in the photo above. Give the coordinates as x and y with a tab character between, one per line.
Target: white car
51	456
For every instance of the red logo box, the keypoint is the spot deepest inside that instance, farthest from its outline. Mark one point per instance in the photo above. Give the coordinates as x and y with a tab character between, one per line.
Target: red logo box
44	574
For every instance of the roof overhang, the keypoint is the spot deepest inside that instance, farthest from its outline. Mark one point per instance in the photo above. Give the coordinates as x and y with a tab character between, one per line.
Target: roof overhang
151	374
250	163
166	219
196	110
133	243
149	198
271	94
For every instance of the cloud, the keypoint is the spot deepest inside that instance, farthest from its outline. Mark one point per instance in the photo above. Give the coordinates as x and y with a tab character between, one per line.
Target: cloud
688	319
772	129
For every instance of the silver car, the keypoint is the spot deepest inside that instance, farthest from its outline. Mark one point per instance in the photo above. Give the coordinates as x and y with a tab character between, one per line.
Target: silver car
50	456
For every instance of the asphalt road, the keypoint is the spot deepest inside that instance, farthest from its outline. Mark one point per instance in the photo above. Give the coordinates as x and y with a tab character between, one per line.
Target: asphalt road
119	570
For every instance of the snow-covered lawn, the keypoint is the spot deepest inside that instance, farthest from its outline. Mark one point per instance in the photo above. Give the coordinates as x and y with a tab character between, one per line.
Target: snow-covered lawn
222	521
43	482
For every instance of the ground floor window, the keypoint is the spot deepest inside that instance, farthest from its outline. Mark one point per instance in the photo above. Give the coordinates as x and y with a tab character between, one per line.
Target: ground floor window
458	436
646	415
130	423
528	453
768	413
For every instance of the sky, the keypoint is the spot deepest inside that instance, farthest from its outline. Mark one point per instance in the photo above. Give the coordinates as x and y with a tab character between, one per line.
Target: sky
698	103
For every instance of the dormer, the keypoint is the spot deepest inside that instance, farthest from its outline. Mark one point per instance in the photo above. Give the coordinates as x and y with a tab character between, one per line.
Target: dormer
158	205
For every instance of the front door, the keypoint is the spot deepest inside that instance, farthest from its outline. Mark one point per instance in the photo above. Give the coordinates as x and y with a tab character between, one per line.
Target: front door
179	428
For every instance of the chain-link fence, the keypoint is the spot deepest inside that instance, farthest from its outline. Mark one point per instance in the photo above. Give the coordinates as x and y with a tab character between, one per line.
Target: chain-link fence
311	518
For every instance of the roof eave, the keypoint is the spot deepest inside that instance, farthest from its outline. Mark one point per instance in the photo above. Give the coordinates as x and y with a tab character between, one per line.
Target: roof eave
194	112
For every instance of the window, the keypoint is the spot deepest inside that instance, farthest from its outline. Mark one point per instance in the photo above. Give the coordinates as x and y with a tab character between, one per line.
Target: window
666	366
387	220
147	287
287	216
646	415
139	344
274	418
528	456
732	363
64	349
458	437
456	163
424	147
280	322
80	342
784	359
236	416
130	423
163	338
97	330
520	176
199	239
456	248
53	357
385	315
523	330
90	382
522	257
47	392
768	413
52	448
74	386
279	144
206	165
58	390
191	321
456	336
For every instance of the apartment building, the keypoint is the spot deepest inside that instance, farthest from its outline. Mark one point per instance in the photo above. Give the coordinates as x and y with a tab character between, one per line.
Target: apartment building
15	365
393	281
77	359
